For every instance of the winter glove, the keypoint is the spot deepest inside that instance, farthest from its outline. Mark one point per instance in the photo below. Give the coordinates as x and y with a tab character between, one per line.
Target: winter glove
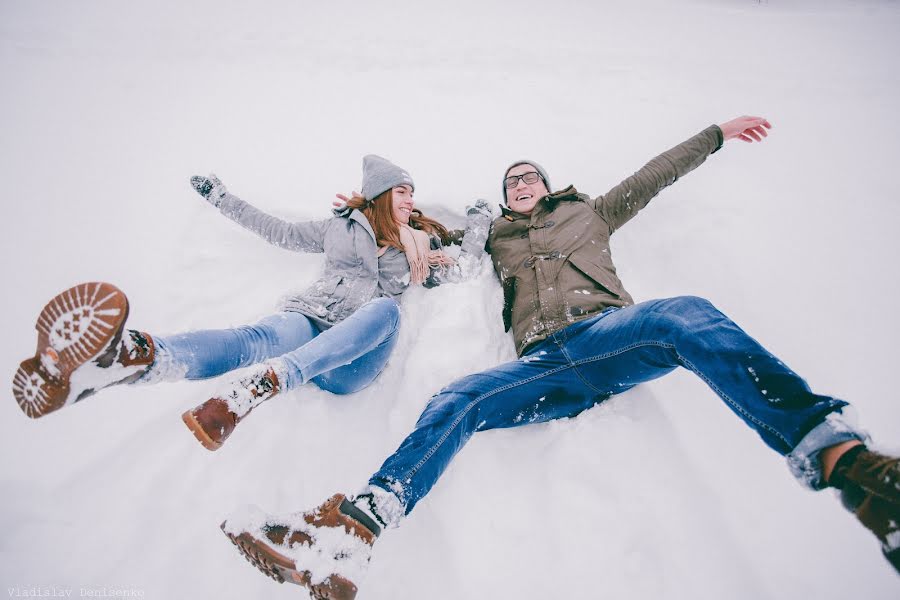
468	265
210	188
481	206
478	223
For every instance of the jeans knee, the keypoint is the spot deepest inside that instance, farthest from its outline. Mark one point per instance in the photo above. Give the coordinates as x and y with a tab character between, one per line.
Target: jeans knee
686	315
340	386
689	309
687	304
444	406
387	309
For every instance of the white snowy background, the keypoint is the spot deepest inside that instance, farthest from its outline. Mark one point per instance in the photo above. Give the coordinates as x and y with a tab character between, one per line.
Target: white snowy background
108	107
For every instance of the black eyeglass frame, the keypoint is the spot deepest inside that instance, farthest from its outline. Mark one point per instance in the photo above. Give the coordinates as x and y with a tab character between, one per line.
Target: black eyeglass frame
513	180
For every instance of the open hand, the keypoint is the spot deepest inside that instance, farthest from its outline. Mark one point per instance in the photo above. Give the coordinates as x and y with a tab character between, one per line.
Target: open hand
746	129
481	207
342	199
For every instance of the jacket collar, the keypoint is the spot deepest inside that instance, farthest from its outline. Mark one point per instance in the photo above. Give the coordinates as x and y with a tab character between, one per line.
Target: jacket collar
356	215
567	194
511	215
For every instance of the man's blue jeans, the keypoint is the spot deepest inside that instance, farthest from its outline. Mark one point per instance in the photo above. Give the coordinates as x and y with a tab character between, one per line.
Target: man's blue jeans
342	359
591	360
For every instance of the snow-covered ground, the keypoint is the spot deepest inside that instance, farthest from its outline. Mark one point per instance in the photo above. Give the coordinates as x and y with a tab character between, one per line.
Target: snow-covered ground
108	107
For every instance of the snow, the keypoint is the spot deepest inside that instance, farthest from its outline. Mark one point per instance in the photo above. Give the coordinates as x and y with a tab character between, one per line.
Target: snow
355	554
893	540
658	493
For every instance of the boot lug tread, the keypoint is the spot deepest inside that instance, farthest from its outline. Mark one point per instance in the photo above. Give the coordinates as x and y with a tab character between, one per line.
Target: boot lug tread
75	327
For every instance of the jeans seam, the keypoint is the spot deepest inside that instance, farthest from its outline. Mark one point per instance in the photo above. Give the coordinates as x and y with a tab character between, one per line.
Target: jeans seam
736	407
434	448
573	365
578	373
565	339
689	365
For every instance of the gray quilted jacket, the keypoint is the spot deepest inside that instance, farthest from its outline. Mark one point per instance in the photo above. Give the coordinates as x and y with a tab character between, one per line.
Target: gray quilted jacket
354	274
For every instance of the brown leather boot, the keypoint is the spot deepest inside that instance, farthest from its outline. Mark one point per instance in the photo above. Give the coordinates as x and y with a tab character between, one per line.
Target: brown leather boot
337	534
214	420
80	349
870	489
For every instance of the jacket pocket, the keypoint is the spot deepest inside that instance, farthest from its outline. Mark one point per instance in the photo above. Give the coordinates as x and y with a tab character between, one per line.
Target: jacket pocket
323	295
601	276
509	297
327	288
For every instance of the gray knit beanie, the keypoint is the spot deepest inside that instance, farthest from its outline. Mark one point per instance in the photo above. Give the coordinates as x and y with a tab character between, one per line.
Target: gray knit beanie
380	175
538	167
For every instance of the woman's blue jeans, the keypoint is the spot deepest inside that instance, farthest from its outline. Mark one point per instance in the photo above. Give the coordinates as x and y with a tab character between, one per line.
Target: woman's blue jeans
591	360
342	359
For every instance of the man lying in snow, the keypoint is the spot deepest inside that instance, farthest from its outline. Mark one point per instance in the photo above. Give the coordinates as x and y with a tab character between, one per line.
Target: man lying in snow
581	339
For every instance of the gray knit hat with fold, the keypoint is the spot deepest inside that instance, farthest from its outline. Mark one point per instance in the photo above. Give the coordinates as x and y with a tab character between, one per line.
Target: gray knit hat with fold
537	167
380	175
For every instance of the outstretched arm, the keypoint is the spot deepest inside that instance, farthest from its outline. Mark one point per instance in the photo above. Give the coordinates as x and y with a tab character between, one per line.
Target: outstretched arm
308	236
624	201
478	224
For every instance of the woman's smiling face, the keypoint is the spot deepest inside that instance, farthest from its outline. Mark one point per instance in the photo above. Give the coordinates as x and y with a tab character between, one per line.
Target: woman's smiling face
402	203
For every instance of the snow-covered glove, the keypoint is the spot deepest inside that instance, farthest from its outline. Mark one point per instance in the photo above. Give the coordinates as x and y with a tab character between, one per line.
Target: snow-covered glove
478	224
210	188
481	206
468	265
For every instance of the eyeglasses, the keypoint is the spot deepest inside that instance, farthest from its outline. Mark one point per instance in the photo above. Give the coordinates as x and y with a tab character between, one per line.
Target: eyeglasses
513	180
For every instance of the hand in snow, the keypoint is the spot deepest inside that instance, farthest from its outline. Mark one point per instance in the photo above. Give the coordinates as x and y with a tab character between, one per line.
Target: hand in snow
210	188
482	207
745	128
478	225
342	200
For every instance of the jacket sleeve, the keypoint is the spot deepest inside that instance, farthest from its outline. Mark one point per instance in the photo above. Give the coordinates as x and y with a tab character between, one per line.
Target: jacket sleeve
623	202
474	240
306	236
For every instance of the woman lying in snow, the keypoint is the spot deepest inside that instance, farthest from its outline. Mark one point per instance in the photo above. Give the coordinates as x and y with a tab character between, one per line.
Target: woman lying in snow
337	334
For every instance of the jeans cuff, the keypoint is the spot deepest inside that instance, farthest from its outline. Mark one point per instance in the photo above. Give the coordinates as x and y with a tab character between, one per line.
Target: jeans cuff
164	366
387	505
284	373
804	461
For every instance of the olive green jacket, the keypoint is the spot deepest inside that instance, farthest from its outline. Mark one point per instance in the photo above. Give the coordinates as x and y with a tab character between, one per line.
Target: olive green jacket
555	264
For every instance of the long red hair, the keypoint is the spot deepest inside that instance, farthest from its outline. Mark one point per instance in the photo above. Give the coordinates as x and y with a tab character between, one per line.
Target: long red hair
387	233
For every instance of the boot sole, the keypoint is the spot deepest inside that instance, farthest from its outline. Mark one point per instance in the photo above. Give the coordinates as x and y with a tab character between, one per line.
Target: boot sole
282	569
197	429
75	327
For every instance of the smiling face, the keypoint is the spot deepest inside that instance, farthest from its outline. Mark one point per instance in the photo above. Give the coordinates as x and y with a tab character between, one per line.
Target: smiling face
402	204
523	197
